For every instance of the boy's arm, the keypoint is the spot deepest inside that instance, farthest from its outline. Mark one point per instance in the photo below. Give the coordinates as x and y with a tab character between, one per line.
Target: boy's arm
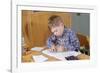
49	42
73	43
51	45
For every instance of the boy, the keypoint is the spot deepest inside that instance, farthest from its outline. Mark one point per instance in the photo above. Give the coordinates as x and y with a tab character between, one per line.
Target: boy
62	38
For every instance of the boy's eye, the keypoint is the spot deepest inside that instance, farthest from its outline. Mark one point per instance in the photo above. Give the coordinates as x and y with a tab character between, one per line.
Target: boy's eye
55	25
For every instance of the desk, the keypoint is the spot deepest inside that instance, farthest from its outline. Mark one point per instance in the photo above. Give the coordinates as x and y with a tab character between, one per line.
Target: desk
28	57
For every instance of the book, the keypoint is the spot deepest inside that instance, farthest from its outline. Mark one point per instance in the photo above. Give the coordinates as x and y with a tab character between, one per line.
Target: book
61	55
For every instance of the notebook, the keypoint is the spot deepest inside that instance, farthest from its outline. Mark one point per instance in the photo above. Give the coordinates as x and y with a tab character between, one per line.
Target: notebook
61	55
40	58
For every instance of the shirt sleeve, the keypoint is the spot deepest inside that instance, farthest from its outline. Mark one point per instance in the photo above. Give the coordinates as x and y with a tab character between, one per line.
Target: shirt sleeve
49	42
73	43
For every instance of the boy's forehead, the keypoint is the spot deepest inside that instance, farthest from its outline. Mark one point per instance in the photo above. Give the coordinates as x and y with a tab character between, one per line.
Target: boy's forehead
54	19
56	22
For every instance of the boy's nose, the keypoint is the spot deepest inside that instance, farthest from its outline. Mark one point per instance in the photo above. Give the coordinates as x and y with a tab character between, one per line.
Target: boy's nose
55	31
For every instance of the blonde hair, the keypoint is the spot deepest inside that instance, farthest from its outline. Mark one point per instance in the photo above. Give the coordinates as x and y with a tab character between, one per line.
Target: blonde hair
54	20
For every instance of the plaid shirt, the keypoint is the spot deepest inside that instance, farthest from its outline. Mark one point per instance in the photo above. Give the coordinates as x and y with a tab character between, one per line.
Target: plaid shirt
68	39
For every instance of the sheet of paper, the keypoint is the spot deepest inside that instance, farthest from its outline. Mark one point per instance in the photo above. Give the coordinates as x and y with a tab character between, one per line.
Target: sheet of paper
39	58
37	48
61	55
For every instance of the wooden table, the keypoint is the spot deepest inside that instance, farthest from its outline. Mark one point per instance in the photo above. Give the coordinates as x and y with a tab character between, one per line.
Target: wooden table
28	57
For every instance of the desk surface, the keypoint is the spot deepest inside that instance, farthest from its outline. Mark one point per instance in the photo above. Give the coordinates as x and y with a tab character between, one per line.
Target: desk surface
28	57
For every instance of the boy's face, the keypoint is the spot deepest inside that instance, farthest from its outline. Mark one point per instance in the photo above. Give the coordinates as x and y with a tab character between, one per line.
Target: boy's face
58	29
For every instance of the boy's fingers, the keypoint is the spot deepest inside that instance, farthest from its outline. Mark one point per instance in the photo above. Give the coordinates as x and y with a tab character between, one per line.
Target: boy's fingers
53	49
50	49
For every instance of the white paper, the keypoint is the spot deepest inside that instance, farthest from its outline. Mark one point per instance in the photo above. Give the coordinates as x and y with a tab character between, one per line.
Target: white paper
40	58
37	48
61	55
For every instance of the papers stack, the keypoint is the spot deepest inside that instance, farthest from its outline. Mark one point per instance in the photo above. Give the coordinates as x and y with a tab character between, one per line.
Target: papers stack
39	58
37	48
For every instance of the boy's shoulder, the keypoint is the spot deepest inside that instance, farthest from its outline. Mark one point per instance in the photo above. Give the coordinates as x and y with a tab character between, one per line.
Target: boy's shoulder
68	30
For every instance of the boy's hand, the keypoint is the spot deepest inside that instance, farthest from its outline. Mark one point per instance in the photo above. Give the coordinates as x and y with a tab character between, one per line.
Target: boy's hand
60	48
53	48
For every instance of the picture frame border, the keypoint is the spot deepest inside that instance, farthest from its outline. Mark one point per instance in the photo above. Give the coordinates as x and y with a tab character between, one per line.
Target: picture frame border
15	65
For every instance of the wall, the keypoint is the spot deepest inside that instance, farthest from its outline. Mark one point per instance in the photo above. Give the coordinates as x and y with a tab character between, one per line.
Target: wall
81	23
